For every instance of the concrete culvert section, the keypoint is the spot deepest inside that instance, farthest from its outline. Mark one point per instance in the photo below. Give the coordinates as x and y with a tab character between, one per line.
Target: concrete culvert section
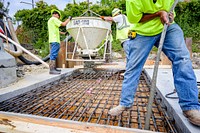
86	97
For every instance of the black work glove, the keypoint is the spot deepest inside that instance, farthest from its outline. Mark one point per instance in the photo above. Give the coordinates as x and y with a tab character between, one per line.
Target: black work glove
66	33
70	17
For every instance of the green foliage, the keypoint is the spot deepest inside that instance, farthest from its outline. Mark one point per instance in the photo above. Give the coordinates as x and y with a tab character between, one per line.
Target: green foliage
196	47
188	17
1	5
34	25
44	50
34	22
116	45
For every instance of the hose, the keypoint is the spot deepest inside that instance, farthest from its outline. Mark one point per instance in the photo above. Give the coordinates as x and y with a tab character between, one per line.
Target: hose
3	26
28	62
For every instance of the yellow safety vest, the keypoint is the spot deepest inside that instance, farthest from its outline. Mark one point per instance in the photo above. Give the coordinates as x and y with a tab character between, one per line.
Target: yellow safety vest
122	31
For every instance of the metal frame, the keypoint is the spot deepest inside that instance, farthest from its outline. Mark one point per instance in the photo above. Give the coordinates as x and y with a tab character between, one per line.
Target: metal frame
105	45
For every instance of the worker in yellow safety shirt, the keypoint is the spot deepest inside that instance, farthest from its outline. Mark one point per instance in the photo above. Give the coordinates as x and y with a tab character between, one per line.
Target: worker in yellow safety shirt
122	25
149	18
54	38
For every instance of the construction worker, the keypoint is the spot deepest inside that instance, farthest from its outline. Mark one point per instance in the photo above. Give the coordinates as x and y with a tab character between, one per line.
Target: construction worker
54	38
122	25
148	26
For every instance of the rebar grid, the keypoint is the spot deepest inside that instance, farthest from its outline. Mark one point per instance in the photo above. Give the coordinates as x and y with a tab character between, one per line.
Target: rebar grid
87	97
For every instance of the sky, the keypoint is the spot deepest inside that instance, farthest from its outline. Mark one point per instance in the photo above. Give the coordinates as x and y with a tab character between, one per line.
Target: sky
16	5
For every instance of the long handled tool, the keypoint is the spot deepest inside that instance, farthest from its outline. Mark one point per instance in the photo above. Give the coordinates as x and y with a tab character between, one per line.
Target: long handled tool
155	71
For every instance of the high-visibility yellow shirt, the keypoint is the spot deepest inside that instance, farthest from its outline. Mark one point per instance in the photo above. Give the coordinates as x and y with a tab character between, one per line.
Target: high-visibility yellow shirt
53	29
122	27
135	10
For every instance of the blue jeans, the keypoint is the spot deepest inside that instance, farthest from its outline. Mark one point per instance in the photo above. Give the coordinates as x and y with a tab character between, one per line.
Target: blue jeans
54	50
137	51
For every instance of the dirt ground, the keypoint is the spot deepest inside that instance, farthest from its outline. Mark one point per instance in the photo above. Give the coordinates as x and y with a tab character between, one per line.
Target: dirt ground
23	69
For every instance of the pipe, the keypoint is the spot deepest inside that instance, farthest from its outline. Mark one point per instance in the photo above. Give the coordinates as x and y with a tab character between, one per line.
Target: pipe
22	58
18	52
18	45
4	28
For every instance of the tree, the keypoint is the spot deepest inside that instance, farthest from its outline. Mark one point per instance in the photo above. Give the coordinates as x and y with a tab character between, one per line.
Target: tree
34	21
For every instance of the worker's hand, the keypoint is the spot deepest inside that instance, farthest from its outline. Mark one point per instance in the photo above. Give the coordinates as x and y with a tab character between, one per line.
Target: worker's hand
66	33
70	17
171	17
164	17
102	17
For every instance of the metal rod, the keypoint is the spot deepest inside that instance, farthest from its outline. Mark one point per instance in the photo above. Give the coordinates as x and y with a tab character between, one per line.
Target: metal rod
86	44
74	101
76	43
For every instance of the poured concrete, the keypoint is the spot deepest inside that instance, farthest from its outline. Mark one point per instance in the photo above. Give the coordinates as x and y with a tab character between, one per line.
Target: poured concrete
165	85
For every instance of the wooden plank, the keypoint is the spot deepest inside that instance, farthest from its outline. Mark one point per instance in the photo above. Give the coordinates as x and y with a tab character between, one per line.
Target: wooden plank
22	123
61	59
27	127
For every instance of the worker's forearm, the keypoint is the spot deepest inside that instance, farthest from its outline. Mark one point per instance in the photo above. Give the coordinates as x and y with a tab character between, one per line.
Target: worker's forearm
147	17
161	14
108	18
65	22
63	33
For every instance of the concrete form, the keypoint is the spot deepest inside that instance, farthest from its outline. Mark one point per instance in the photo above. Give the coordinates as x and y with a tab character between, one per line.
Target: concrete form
7	67
165	85
13	122
20	123
17	123
30	82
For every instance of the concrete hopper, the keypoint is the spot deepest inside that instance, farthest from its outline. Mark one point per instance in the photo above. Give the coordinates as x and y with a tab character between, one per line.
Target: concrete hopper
88	32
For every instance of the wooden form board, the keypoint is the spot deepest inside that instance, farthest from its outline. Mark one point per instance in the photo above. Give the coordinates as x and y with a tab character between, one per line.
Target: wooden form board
20	123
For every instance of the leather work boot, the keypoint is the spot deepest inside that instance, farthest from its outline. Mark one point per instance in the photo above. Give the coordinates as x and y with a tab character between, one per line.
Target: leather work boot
57	69
193	116
52	65
117	110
